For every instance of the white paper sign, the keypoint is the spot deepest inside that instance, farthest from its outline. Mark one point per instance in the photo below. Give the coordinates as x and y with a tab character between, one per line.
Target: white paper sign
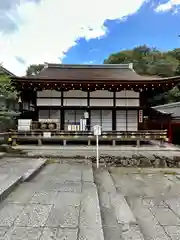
47	134
97	130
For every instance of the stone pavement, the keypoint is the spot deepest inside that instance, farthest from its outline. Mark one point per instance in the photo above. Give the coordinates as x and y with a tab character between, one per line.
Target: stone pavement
70	200
154	199
61	202
17	166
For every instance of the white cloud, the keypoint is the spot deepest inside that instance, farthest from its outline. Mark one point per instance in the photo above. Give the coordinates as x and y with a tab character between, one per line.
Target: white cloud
50	28
168	6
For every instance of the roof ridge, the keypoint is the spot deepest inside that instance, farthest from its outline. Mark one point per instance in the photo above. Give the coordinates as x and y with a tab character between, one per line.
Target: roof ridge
84	66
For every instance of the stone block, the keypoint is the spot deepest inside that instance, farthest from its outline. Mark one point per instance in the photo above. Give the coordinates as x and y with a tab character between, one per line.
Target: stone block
90	216
174	204
59	234
21	195
173	232
123	212
87	174
86	233
62	215
65	187
7	185
23	233
9	213
33	215
165	216
68	198
44	197
131	232
3	231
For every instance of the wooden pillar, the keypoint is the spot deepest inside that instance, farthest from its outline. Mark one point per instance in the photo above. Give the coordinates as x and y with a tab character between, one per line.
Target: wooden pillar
114	112
62	119
170	133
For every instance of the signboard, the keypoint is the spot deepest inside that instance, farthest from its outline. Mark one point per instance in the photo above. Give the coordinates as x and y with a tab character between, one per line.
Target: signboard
47	134
24	124
140	116
86	115
97	130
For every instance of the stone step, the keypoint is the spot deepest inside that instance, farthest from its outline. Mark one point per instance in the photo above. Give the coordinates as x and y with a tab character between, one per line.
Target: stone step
118	219
7	184
90	226
148	224
35	168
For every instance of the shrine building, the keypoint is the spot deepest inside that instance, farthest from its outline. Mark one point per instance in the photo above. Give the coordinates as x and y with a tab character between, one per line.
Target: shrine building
64	102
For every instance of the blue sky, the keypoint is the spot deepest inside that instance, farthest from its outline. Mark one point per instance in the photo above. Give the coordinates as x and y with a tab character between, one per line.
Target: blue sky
38	31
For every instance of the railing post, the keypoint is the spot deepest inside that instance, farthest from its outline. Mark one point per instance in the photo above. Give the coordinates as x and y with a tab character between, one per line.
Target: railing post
14	142
138	143
114	142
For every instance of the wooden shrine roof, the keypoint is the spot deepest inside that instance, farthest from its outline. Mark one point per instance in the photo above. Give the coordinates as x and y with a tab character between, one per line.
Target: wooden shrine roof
4	71
106	73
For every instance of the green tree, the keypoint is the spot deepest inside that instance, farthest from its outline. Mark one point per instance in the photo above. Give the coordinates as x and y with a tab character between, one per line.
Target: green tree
34	69
151	61
8	102
148	61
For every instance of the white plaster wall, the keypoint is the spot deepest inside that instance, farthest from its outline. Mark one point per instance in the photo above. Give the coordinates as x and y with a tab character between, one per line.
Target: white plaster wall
74	102
101	93
48	93
101	102
48	102
127	102
127	94
75	93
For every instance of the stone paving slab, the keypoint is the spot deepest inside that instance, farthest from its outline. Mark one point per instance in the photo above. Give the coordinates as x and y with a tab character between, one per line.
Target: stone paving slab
165	216
36	166
3	231
173	232
22	194
44	198
33	215
60	187
90	226
64	216
70	198
52	207
22	233
7	183
20	166
155	206
9	213
59	234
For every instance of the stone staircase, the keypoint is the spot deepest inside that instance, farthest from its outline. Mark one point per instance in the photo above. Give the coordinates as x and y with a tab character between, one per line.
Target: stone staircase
118	221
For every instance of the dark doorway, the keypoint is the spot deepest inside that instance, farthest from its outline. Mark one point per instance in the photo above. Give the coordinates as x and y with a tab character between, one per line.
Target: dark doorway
176	134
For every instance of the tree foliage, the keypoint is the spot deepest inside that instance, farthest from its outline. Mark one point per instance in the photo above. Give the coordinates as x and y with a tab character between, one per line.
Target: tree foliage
152	62
34	69
8	101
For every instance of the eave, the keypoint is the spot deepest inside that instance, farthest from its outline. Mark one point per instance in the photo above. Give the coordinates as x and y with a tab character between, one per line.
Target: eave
164	84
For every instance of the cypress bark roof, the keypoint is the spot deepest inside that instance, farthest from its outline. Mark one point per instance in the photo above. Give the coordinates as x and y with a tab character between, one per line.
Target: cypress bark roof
104	73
